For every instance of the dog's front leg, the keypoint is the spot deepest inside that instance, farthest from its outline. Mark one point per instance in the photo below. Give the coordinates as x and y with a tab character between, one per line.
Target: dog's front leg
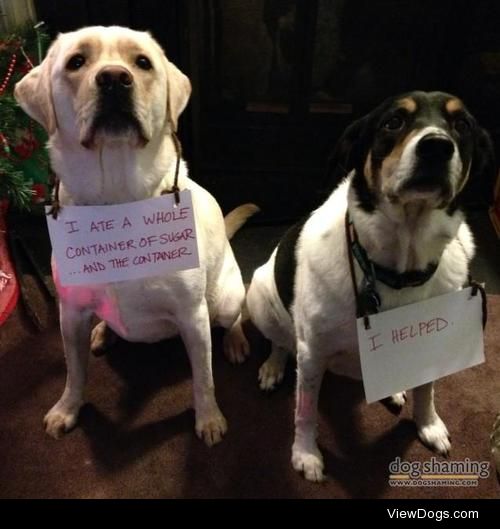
75	330
195	332
306	456
431	429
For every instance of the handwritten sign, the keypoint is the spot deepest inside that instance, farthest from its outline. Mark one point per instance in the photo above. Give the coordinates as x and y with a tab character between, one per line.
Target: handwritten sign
419	343
103	244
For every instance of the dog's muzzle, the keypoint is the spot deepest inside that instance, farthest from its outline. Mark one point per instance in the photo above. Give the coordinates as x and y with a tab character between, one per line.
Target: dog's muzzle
115	115
115	109
432	171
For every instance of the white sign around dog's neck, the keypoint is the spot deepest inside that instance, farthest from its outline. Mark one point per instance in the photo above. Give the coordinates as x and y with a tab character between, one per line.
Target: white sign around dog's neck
419	343
104	244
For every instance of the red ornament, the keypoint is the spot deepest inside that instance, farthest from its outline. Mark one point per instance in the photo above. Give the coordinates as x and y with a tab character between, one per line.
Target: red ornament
27	145
10	71
39	193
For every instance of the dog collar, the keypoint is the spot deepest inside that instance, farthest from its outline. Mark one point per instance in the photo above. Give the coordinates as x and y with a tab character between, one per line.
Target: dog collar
368	299
387	276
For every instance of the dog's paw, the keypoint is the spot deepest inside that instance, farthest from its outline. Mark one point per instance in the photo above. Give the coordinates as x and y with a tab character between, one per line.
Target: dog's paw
435	435
101	339
270	375
60	420
396	402
236	346
310	463
211	428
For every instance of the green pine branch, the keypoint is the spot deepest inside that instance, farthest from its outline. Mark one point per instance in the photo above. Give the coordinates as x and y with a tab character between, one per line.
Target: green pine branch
15	180
10	116
14	188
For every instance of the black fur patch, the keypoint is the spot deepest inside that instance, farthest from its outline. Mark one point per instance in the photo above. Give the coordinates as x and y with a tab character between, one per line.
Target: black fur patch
285	264
367	199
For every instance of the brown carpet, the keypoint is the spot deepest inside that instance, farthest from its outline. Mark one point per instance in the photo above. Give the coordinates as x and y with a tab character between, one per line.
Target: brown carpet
135	438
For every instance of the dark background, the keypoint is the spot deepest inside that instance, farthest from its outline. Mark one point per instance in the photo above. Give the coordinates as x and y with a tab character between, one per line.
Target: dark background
276	81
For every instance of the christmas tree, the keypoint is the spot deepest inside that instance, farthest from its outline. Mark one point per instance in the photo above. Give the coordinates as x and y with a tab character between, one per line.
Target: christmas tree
24	166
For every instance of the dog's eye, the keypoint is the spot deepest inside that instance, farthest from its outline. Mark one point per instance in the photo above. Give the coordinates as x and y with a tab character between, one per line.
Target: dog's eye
461	125
394	123
76	62
143	62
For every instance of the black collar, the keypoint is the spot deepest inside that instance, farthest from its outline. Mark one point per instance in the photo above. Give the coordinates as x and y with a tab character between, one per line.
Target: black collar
391	278
368	300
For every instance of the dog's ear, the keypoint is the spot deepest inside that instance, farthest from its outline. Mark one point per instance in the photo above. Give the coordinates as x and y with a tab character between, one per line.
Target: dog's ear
349	150
178	93
483	170
34	93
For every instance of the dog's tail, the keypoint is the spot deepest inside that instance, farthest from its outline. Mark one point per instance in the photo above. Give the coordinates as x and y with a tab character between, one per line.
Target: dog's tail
235	219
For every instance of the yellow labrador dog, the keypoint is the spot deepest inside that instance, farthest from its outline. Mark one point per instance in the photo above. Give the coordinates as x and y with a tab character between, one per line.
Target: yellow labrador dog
110	101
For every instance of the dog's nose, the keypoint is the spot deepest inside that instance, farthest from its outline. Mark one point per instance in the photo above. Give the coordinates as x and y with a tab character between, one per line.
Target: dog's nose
435	146
111	78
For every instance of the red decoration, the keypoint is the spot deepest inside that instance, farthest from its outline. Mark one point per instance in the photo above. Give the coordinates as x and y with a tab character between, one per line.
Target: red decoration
27	145
10	71
39	193
9	289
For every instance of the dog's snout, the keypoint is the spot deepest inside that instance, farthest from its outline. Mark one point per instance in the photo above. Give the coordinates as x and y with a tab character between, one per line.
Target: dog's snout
112	78
435	146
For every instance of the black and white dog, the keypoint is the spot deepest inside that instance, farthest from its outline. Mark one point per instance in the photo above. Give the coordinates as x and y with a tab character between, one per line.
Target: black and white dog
407	162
